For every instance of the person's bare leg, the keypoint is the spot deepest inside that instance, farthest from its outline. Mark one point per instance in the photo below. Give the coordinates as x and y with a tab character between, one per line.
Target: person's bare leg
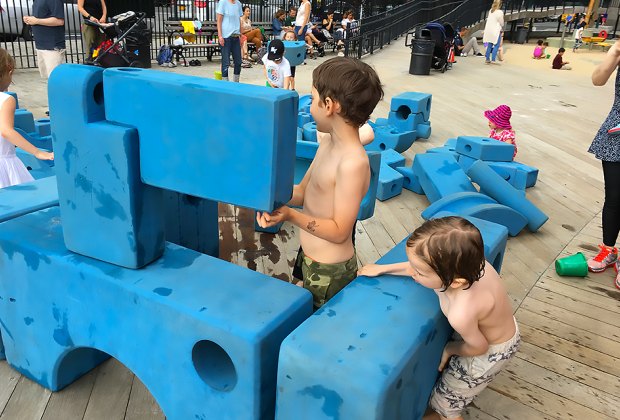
431	415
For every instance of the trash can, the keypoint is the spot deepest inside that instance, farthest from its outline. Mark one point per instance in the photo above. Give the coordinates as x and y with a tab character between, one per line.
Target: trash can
521	35
421	56
138	42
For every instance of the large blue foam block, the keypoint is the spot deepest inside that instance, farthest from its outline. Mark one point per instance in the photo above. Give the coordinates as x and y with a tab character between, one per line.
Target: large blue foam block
440	175
390	183
43	127
445	149
41	142
404	121
410	180
485	148
412	103
389	137
309	131
369	369
24	120
236	160
32	162
517	174
295	52
392	158
201	333
26	198
498	188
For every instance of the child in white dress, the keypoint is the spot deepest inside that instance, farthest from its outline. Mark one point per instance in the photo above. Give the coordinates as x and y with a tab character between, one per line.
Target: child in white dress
12	170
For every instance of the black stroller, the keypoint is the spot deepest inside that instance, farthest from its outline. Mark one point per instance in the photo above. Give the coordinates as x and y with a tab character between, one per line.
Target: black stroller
123	30
443	35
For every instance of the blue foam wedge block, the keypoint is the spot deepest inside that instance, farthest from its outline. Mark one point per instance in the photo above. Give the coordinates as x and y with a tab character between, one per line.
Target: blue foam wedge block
440	175
24	120
494	237
27	198
392	158
405	122
465	162
191	222
394	372
485	148
390	183
303	118
309	131
389	137
410	180
43	127
498	188
295	52
36	140
517	174
481	206
32	162
201	333
305	102
208	156
412	103
451	143
445	149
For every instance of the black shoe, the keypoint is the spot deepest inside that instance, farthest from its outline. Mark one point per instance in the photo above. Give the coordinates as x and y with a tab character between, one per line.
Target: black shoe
479	55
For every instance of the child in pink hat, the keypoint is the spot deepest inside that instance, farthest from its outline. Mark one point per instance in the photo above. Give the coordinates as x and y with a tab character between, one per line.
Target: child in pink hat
499	123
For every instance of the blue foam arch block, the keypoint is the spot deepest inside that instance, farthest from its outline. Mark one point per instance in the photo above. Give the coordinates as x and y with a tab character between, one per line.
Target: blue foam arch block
394	372
29	197
517	174
445	149
24	120
410	180
494	237
303	118
485	148
43	127
440	175
295	52
389	137
205	148
309	131
201	333
412	103
390	183
305	102
392	158
498	188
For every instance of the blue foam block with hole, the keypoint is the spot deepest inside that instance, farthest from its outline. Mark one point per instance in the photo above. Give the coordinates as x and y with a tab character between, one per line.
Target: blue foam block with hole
187	157
309	131
389	137
29	197
517	174
498	188
295	52
409	122
444	149
481	206
392	158
369	369
412	103
494	237
410	180
303	118
43	127
485	148
390	183
102	197
440	175
202	334
24	120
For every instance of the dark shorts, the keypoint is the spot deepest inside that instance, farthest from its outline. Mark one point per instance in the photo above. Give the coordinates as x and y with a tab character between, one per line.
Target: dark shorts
303	34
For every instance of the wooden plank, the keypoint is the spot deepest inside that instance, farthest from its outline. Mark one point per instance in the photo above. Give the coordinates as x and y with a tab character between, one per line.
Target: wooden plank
8	380
27	402
582	292
142	405
110	392
472	413
503	406
71	402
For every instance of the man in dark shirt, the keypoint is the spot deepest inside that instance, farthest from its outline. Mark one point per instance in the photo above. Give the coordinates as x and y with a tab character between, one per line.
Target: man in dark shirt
94	11
461	48
558	63
48	29
289	21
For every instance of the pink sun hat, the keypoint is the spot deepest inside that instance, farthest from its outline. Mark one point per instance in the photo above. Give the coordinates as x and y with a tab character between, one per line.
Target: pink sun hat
500	116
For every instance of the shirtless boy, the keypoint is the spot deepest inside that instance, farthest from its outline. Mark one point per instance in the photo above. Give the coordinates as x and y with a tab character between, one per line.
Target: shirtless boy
345	92
447	255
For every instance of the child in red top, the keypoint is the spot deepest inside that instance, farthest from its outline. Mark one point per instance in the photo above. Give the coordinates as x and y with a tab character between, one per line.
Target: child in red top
499	123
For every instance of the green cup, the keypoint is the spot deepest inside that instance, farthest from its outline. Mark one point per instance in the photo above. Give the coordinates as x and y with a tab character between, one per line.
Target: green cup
574	265
548	55
218	75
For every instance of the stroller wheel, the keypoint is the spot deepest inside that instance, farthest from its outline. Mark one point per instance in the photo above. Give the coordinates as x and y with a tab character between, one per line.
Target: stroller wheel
443	68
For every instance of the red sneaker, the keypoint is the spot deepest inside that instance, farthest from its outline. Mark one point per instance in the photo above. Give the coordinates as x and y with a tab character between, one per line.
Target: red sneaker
617	267
605	258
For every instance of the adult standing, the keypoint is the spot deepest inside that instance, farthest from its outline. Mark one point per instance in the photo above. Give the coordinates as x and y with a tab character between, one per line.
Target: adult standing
606	148
493	31
229	14
301	22
48	29
97	12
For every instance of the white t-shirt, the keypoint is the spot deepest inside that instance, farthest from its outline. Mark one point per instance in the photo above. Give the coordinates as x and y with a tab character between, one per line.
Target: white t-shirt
578	33
304	10
276	73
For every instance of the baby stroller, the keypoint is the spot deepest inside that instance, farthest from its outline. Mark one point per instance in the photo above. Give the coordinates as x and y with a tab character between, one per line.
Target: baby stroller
443	35
113	52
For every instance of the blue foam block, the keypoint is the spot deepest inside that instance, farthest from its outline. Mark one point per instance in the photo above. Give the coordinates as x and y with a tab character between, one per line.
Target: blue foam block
451	143
309	131
295	52
440	175
300	134
412	103
405	122
392	158
208	156
485	148
201	333
390	183
192	222
410	180
379	122
498	188
517	174
303	118
394	372
445	149
481	206
423	130
24	120
27	198
2	355
43	127
305	102
494	237
36	140
388	137
465	162
32	162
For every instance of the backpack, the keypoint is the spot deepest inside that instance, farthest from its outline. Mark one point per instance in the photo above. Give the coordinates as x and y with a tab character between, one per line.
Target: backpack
164	55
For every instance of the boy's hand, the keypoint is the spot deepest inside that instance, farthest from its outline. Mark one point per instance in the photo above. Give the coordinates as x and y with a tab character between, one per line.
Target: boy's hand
370	270
445	356
266	220
41	155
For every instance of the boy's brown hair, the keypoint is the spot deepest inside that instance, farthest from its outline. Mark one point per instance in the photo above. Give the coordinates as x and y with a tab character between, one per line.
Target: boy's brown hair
7	63
352	83
452	247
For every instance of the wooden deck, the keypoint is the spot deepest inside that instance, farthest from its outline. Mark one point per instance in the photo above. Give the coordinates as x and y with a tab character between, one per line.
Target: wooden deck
567	366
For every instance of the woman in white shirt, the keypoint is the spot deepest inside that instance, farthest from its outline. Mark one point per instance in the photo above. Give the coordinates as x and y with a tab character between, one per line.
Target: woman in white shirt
301	21
493	31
